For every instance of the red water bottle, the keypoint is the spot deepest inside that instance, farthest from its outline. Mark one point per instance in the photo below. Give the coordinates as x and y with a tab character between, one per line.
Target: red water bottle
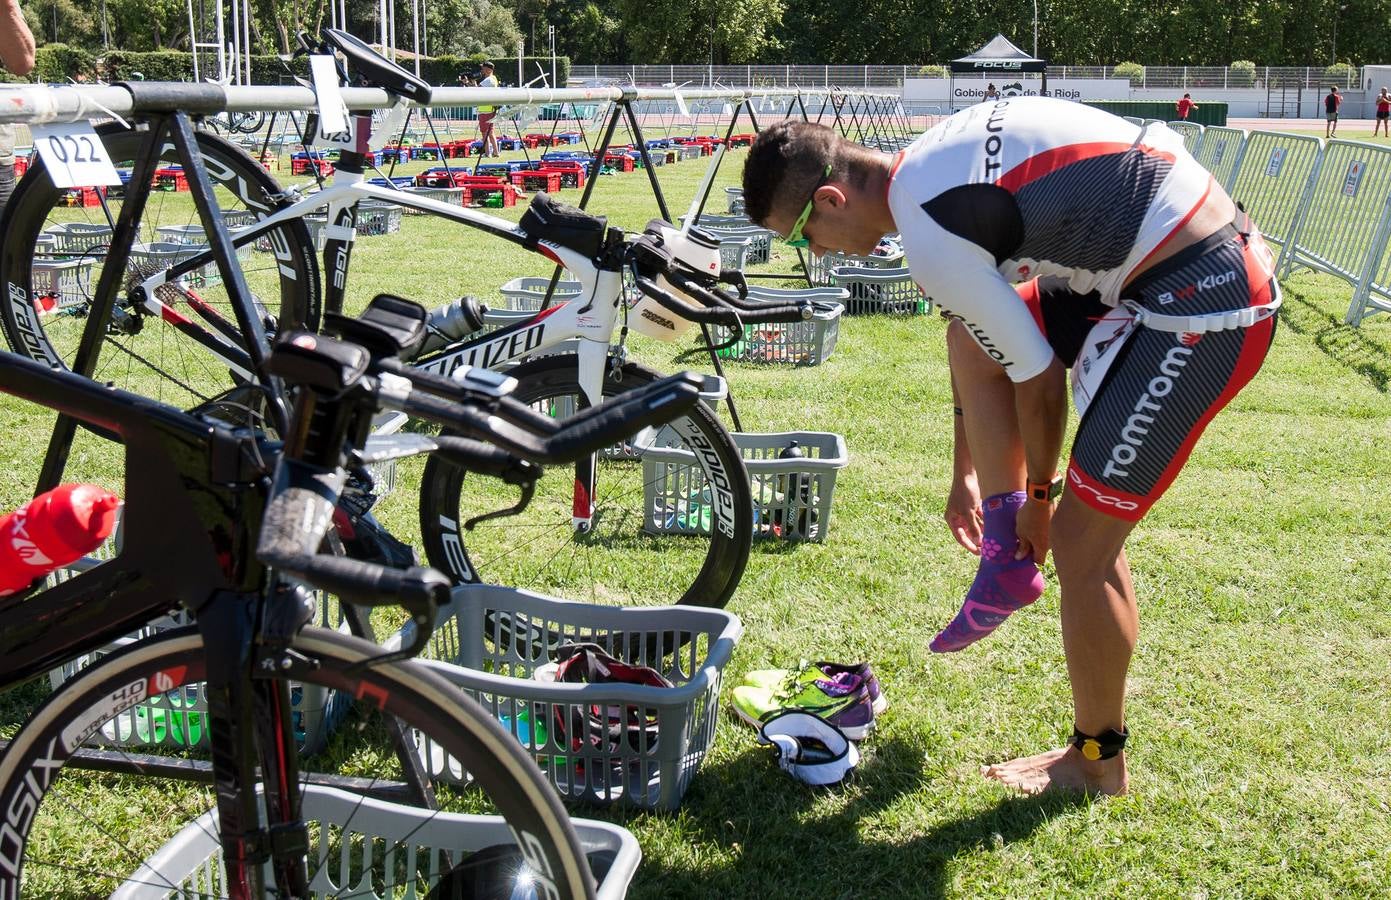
52	530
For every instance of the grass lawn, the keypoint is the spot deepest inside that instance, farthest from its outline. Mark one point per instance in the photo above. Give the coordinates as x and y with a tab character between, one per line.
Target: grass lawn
1259	699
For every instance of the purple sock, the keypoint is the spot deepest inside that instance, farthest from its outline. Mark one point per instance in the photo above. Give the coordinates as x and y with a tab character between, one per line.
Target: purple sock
1003	584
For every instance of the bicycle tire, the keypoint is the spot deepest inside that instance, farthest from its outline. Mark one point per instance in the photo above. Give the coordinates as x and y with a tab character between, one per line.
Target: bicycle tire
247	123
45	294
56	807
670	572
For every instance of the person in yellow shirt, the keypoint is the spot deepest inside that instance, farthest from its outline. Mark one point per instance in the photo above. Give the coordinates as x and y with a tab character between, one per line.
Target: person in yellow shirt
486	114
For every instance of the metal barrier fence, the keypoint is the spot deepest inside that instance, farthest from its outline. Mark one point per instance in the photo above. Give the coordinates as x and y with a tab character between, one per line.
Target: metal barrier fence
1274	180
1178	77
1191	132
1373	293
1338	226
1220	153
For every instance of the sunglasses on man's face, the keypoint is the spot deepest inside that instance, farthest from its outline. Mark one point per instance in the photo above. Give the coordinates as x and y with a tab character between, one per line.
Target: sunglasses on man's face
795	238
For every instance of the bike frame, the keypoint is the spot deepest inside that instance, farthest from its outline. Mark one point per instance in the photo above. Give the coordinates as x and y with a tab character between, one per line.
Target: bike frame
592	318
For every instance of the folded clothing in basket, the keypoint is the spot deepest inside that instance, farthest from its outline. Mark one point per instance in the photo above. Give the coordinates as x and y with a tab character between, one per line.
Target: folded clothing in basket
598	727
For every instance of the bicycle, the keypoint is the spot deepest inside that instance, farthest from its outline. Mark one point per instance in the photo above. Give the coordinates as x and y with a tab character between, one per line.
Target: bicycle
228	525
593	540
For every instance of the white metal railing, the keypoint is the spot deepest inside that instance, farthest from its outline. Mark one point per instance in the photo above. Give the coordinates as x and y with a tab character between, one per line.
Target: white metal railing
38	104
885	76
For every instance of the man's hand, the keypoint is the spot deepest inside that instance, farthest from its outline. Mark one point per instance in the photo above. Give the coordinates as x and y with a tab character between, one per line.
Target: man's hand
963	515
1031	526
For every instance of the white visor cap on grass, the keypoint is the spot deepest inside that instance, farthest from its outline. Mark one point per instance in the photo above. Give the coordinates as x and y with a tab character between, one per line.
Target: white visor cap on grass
809	748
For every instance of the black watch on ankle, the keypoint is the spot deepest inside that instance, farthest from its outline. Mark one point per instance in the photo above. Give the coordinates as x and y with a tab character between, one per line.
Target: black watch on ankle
1102	746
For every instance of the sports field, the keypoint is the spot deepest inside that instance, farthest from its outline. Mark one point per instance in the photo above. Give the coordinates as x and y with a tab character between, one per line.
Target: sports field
1259	699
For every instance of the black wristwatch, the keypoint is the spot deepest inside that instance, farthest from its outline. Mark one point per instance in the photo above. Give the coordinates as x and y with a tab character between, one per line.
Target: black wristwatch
1045	491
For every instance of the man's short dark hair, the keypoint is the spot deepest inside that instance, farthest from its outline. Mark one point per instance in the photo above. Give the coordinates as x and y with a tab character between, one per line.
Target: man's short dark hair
784	165
485	65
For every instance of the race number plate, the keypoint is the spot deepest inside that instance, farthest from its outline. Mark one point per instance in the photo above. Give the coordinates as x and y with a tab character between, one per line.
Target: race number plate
74	155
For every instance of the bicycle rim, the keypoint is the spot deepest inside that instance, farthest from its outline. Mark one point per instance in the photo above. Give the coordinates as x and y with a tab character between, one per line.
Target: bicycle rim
54	254
86	833
662	533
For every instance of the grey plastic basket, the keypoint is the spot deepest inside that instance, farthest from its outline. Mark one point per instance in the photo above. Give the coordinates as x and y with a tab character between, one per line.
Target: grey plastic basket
819	268
734	200
760	239
67	281
179	718
78	238
529	291
475	648
734	253
800	343
356	841
880	291
375	217
454	196
791	496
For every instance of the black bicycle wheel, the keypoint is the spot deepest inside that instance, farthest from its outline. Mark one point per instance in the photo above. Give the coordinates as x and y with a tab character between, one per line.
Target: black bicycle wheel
83	833
674	515
56	244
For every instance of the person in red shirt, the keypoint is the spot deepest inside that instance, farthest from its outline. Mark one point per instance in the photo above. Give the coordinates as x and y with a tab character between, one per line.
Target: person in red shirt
1383	120
1331	102
1185	106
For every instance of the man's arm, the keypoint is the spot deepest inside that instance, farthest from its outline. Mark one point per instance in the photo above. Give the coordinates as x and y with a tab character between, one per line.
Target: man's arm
16	41
1041	404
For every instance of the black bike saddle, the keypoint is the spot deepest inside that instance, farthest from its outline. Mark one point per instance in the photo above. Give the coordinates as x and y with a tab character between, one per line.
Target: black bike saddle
377	70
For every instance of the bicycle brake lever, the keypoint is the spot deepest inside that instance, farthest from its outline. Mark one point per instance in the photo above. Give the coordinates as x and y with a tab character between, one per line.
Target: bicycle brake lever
528	490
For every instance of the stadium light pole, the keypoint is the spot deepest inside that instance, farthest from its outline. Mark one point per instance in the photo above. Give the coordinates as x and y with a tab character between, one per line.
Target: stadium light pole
1036	29
1338	11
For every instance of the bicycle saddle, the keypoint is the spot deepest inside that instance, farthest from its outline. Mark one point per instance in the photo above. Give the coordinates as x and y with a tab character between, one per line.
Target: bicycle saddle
375	69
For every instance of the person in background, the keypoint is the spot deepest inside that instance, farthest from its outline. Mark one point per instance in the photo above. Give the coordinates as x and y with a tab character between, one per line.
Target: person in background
1330	109
16	55
1383	120
990	92
486	114
1185	106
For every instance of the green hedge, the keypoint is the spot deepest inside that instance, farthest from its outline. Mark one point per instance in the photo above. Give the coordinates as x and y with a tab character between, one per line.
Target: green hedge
56	63
445	70
176	65
1209	112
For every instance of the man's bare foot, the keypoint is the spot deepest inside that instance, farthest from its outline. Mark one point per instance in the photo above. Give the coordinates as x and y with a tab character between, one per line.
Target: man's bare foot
1066	769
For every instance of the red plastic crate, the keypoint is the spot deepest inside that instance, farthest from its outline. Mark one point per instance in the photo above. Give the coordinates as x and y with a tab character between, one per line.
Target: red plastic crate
456	149
740	140
537	180
569	177
533	141
456	178
475	194
170	178
21	165
620	161
84	196
305	166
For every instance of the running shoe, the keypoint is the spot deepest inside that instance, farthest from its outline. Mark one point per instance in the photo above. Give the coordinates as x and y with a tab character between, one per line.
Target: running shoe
843	701
790	680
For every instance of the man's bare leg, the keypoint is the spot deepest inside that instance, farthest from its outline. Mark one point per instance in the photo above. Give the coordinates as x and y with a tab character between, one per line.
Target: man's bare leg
987	407
1100	625
990	421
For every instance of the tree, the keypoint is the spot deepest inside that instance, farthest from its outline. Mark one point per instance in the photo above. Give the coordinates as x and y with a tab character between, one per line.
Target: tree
671	31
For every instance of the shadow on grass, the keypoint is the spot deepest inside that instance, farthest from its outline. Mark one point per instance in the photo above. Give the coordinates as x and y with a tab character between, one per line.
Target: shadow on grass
797	841
1345	344
18	702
